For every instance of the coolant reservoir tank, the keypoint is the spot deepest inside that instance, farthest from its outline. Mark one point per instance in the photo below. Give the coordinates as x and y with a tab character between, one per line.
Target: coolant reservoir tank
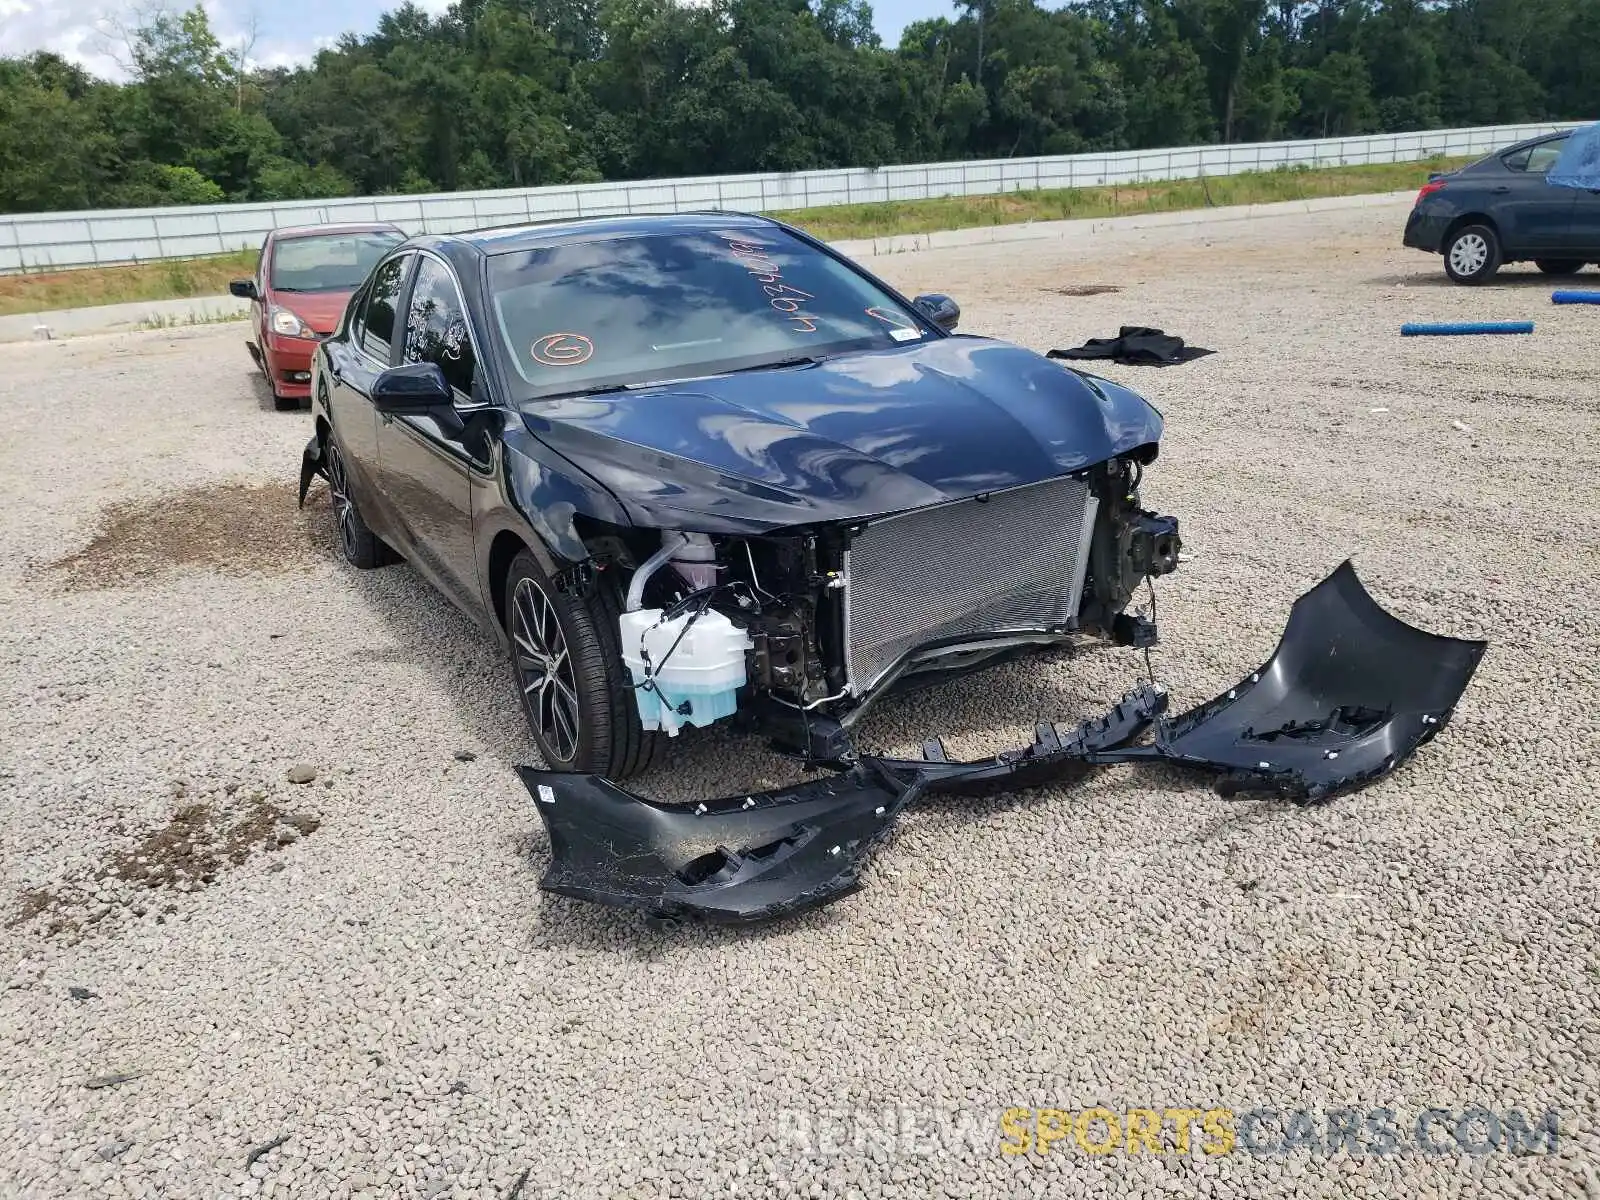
695	683
695	559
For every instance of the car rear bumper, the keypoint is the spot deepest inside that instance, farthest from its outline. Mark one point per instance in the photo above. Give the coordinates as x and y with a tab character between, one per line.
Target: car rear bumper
1425	230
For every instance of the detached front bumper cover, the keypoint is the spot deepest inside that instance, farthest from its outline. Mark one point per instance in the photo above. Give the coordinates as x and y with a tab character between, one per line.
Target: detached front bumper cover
1350	693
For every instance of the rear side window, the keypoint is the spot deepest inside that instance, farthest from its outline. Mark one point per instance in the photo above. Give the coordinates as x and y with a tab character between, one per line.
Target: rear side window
1537	160
377	317
436	326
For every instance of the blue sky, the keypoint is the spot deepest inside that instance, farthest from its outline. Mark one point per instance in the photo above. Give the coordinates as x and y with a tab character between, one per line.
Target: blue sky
86	30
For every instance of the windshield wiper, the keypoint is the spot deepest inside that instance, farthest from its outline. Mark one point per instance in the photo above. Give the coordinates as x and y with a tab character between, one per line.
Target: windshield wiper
600	389
799	360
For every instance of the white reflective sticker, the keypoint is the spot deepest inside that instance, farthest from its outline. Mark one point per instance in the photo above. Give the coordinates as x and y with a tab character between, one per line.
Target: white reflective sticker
547	793
904	335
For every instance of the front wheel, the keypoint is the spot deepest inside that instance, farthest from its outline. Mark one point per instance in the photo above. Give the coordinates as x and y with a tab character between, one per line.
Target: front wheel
362	548
576	694
1559	266
1472	255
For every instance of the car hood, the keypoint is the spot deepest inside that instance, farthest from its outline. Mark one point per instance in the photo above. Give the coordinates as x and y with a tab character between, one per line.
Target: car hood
320	310
857	435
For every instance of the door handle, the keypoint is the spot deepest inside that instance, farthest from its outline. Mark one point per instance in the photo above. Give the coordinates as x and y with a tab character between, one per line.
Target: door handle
1501	190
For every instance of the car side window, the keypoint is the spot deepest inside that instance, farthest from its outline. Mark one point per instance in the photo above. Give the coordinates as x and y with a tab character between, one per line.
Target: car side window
352	314
436	326
1536	160
377	316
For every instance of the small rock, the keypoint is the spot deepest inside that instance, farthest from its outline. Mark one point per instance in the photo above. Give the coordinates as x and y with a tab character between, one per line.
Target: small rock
113	1150
264	1148
302	773
303	822
82	993
288	835
1460	426
466	756
105	1081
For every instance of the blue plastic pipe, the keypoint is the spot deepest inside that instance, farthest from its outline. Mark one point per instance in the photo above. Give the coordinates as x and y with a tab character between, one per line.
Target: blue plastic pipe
1465	327
1576	298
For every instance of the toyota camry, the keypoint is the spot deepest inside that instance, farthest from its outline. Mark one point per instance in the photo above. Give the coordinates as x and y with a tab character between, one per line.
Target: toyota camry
702	468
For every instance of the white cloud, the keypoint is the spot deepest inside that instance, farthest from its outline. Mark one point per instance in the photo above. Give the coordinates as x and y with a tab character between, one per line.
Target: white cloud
87	31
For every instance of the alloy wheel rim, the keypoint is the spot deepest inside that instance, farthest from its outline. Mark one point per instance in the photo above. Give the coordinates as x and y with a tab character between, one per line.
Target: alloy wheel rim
544	669
1469	254
344	509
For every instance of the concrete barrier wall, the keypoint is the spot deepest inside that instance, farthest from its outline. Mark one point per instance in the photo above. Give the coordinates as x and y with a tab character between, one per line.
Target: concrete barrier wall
39	241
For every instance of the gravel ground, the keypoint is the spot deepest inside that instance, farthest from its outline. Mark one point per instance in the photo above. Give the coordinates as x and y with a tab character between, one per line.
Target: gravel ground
200	957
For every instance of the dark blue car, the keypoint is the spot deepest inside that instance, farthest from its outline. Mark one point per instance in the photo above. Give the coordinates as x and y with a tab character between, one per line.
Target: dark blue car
1501	209
700	468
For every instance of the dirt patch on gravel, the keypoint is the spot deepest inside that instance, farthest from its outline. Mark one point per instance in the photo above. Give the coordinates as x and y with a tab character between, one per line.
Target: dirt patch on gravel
193	848
1088	289
189	852
30	904
237	528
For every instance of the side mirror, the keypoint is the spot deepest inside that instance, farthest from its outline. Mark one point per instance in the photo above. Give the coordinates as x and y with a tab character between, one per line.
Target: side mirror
941	310
245	289
411	388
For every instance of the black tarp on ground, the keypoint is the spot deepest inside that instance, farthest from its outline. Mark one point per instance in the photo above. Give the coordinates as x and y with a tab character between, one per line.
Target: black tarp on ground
1137	345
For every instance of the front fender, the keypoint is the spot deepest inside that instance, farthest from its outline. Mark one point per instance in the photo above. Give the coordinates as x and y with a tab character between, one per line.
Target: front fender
545	493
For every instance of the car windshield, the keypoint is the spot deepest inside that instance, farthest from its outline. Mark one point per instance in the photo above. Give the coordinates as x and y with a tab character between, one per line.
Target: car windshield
634	310
331	262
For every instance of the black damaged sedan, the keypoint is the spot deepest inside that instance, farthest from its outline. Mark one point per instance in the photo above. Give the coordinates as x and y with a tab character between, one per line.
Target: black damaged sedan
701	468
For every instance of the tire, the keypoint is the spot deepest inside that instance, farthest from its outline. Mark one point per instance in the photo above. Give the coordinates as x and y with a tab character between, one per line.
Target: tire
362	548
581	679
1472	254
1559	266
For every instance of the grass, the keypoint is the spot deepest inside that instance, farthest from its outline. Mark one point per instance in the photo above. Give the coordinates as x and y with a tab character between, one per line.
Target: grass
965	212
158	321
81	288
87	286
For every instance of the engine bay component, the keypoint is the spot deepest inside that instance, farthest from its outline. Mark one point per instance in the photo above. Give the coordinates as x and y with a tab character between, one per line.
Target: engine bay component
947	572
687	668
1348	696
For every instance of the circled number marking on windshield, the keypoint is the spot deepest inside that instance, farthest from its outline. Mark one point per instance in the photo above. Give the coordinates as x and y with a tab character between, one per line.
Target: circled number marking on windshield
562	349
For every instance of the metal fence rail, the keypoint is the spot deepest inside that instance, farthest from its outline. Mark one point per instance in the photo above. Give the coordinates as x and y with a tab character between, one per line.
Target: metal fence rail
37	241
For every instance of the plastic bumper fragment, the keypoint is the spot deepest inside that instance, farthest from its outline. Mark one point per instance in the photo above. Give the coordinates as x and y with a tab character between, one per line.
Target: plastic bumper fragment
755	857
737	859
1349	695
311	465
1057	754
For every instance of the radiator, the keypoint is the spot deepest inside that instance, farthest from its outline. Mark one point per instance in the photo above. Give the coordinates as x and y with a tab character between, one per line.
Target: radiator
1011	563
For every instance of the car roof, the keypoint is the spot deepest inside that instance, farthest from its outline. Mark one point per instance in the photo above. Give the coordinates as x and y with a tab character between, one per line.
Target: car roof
300	231
530	235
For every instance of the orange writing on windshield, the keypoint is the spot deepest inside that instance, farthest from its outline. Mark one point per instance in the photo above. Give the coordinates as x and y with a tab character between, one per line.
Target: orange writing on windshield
784	297
562	349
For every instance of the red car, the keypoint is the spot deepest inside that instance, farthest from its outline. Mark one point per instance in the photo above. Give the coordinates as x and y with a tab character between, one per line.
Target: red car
304	278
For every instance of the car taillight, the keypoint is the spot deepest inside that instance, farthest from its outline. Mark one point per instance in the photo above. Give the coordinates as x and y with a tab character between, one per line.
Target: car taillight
1429	189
